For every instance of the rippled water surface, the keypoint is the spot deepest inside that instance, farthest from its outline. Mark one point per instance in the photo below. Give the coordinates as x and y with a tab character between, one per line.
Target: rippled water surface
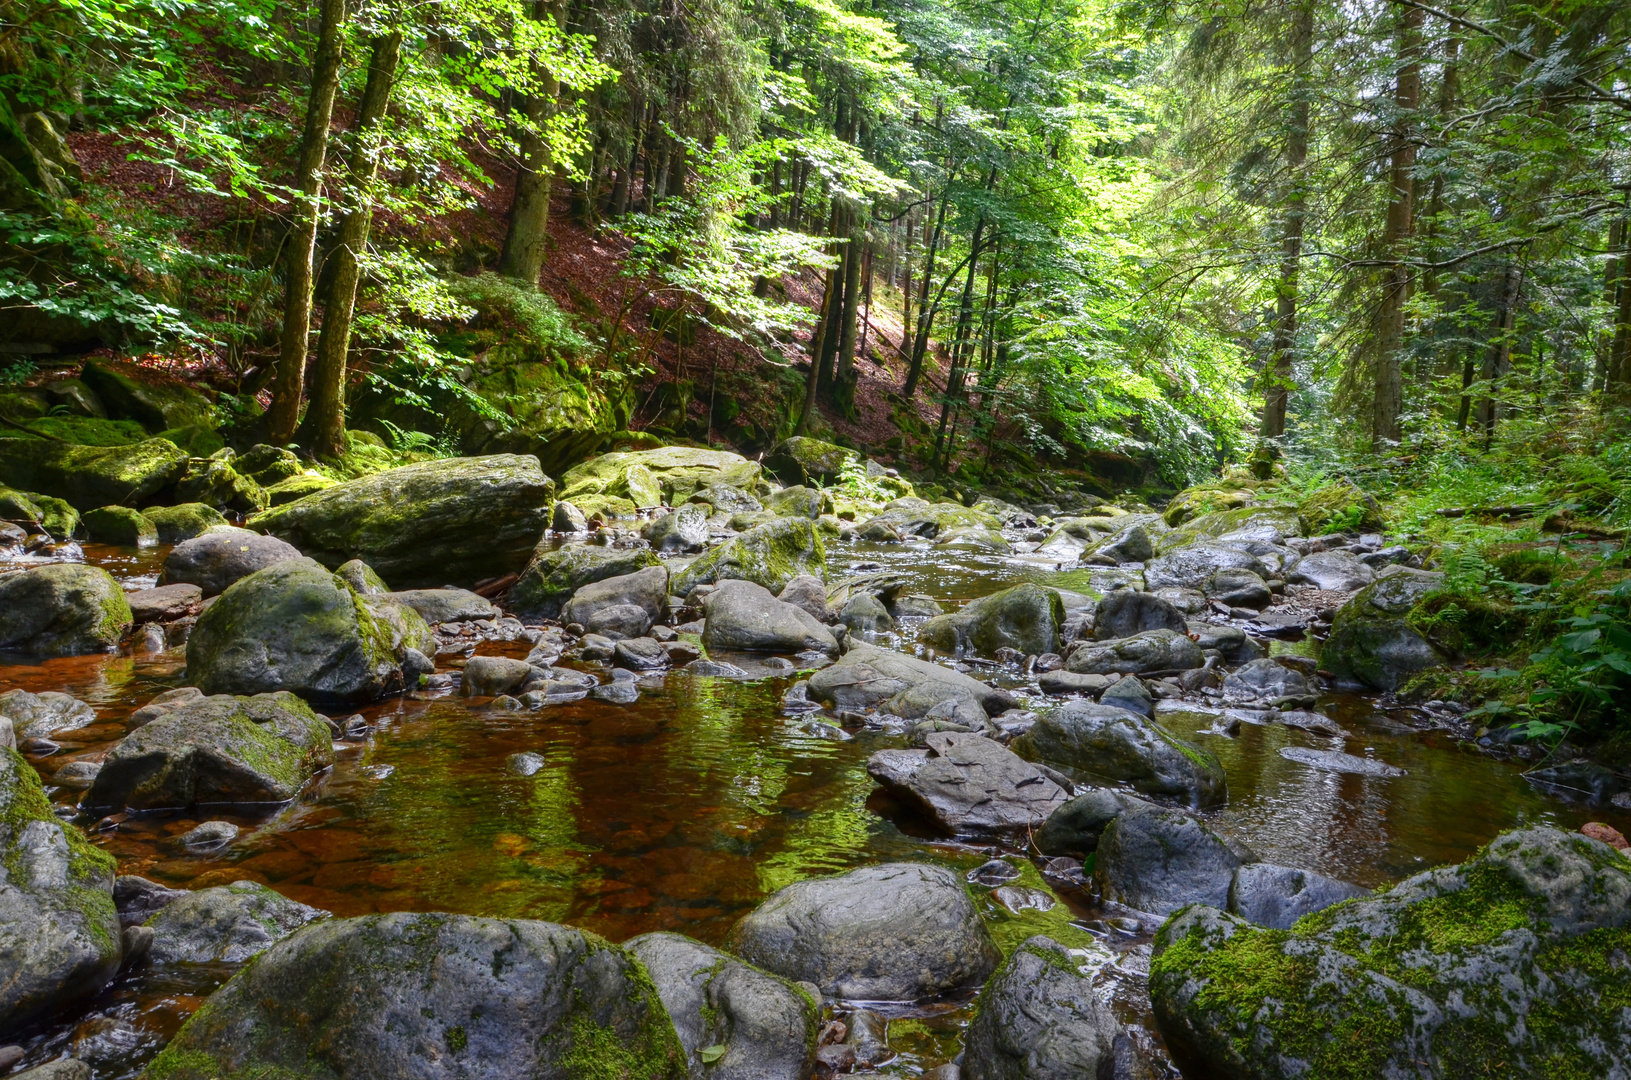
684	810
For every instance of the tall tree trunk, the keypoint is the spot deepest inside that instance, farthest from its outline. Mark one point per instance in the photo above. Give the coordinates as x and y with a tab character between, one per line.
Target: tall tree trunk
1498	357
297	275
1617	388
843	386
812	385
920	339
1389	398
1278	376
954	377
325	420
1611	299
526	242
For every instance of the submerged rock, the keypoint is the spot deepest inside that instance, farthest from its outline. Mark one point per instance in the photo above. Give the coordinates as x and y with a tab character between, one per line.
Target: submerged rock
969	785
1026	617
1509	964
744	617
1041	1018
216	750
769	555
222	556
734	1021
431	995
226	924
1112	743
870	677
555	573
62	609
59	932
895	932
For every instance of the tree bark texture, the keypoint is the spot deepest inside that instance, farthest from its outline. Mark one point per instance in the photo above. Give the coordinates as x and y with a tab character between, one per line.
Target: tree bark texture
1389	398
526	241
1277	378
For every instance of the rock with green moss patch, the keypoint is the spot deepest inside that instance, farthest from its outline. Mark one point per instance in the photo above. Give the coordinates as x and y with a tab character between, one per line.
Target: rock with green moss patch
1141	654
1511	964
451	521
214	482
294	626
1026	617
1373	643
266	464
183	521
912	516
221	556
1284	520
734	1021
54	516
59	932
872	678
226	924
672	473
62	609
121	526
92	476
1205	499
1104	742
1041	1018
802	502
297	487
770	555
803	460
431	995
556	572
218	749
153	399
1341	507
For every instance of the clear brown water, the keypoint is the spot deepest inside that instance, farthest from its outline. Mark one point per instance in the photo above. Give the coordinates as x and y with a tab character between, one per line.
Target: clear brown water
684	810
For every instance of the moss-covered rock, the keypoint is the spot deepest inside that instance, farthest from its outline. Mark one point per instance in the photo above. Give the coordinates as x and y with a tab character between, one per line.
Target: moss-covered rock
770	555
92	476
1373	642
266	464
120	525
151	398
1026	617
214	482
183	522
676	472
1286	520
556	572
1101	742
1339	507
227	924
218	749
802	460
1204	499
294	626
59	933
452	521
1510	964
62	609
82	430
55	516
297	487
385	995
911	516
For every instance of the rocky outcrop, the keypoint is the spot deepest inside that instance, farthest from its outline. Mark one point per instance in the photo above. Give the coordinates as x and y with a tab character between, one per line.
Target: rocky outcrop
451	521
556	572
769	555
1025	617
387	995
869	677
1041	1018
969	786
216	749
222	556
92	476
1509	964
227	924
1114	744
744	617
895	932
1372	643
667	475
62	609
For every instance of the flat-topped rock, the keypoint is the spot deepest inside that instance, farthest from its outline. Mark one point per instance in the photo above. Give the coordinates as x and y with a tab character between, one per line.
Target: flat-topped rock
969	786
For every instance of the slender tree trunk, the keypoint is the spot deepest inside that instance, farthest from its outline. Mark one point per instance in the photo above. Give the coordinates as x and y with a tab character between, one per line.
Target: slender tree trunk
843	387
1389	399
812	385
906	290
325	420
1498	357
1278	377
920	340
526	242
1617	389
297	277
1611	299
954	377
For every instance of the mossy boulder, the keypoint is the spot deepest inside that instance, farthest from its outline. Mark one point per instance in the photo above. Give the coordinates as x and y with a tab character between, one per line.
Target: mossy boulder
59	933
672	472
872	678
1373	641
1102	742
62	609
294	626
218	749
912	516
92	476
1205	499
267	464
297	487
1339	507
183	522
54	516
1040	1018
770	555
1286	520
121	526
451	521
1511	964
214	482
555	573
431	995
227	924
82	430
802	460
1026	617
151	398
222	556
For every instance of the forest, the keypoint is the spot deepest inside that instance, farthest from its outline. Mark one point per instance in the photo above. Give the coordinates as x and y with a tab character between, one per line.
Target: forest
827	478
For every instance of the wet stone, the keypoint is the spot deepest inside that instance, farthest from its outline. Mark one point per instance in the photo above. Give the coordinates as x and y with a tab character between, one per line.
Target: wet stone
210	836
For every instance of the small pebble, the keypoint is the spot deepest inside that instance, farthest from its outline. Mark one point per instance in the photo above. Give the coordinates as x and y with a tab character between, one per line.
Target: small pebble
1606	833
525	763
209	836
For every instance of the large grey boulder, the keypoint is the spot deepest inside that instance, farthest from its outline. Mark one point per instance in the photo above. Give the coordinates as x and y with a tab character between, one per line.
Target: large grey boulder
621	607
62	609
1075	826
667	474
227	924
1026	617
1041	1018
751	1025
35	716
216	750
437	606
1333	571
222	556
1190	567
1085	737
431	996
678	532
556	572
745	617
1511	964
1125	612
1266	680
870	677
454	520
1131	543
1372	643
894	932
969	786
1157	860
1277	896
1238	587
770	555
59	932
296	626
1141	654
